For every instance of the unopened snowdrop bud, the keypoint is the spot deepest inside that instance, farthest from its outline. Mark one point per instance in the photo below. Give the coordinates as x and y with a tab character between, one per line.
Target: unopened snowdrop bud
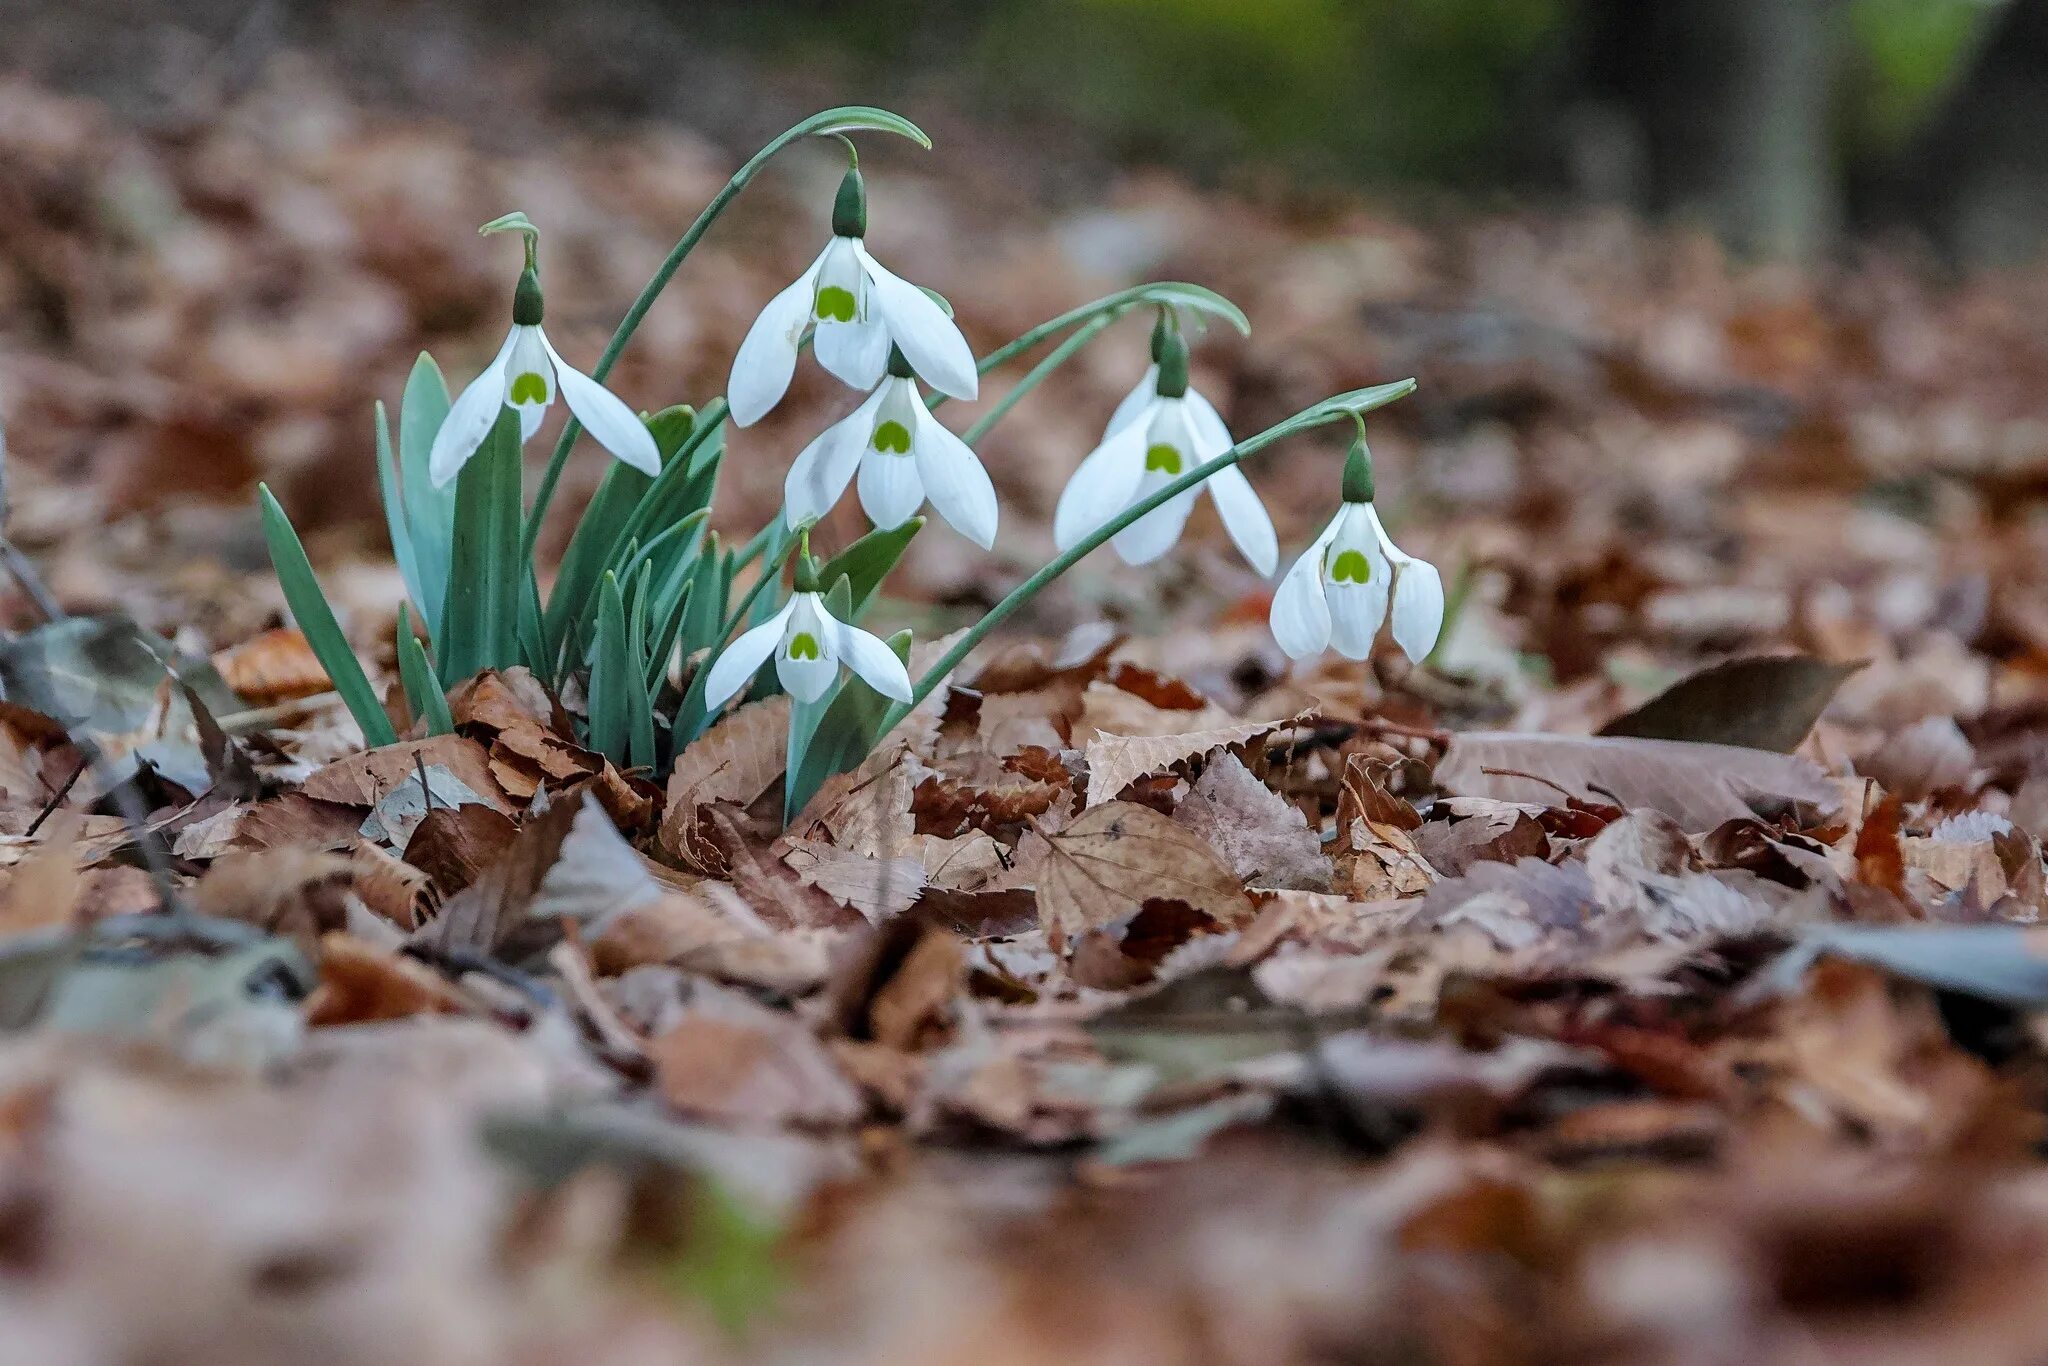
523	377
1162	430
1337	593
903	455
855	311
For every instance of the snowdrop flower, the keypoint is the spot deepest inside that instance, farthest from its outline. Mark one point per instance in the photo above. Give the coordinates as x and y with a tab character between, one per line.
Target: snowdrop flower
904	456
1336	593
523	378
1160	432
858	310
809	645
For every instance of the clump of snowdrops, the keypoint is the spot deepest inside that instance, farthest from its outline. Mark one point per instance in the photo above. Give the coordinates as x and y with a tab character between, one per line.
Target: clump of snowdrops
663	624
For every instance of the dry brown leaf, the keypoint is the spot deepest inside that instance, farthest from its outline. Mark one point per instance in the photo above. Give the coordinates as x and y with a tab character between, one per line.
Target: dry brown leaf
367	778
735	1062
360	982
879	888
1117	761
735	761
44	889
453	845
1699	786
299	893
273	666
1114	858
394	889
1264	838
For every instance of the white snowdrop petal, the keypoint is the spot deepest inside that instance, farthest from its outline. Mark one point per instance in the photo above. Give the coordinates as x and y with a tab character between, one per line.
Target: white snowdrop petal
808	660
1101	487
873	662
733	669
762	367
1300	616
1244	517
823	469
1152	535
1356	611
930	340
1418	608
470	418
610	422
1210	432
890	490
857	353
1134	403
955	481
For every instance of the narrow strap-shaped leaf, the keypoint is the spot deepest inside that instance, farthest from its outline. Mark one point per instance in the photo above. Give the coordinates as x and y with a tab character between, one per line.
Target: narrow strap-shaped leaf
422	688
429	512
612	676
639	700
480	624
316	619
842	737
391	493
866	562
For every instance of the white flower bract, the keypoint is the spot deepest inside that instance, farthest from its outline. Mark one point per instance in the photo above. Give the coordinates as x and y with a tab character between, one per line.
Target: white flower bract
1336	595
523	377
858	310
809	645
904	455
1151	441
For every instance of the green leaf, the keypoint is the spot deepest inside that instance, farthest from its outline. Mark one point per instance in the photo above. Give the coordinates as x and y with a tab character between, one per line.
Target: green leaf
866	562
850	724
639	691
480	624
429	512
857	118
389	491
422	688
316	619
602	529
612	676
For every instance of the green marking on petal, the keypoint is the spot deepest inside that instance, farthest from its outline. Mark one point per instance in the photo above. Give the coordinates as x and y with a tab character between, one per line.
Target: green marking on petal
1351	567
1162	457
835	303
528	388
892	436
805	646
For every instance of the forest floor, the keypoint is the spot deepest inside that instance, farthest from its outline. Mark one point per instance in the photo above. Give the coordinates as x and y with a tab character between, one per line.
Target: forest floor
1654	976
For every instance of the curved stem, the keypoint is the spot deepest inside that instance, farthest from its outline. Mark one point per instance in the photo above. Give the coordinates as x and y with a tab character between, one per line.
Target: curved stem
1054	359
832	121
1339	409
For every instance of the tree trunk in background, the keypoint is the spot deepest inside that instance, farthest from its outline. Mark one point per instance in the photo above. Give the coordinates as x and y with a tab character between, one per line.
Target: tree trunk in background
1734	105
1978	180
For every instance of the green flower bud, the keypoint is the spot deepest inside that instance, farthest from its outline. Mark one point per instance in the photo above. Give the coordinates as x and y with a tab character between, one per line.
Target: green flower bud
1172	353
527	305
850	209
806	579
1358	472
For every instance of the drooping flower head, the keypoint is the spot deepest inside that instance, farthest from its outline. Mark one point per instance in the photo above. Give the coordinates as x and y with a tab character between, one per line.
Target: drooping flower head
809	645
1159	432
524	377
1336	594
855	311
904	455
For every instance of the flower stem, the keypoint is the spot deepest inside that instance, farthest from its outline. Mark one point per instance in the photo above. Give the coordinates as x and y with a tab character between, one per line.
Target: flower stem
1054	359
831	122
1338	409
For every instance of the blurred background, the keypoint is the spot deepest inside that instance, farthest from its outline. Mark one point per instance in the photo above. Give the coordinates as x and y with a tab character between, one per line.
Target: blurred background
1710	299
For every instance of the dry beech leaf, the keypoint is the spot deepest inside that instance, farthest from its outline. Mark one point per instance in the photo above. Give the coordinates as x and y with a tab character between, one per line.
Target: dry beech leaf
272	666
879	888
1918	761
1264	838
297	893
1764	702
394	889
735	1062
1112	711
454	844
366	779
45	888
360	982
1105	866
770	887
1117	761
1699	786
735	761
